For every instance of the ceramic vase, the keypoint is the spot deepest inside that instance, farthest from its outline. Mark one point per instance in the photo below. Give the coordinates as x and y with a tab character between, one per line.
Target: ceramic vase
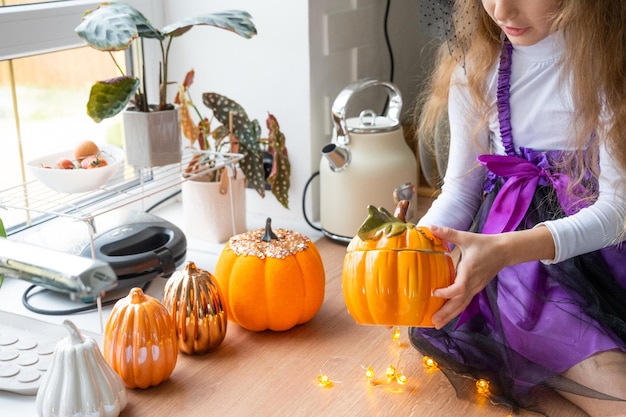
215	211
153	138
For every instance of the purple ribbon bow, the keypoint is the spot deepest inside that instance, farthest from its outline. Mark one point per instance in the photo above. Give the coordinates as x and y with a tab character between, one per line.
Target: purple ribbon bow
521	179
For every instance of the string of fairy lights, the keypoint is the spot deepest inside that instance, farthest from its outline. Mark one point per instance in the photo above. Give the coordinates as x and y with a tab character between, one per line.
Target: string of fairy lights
394	375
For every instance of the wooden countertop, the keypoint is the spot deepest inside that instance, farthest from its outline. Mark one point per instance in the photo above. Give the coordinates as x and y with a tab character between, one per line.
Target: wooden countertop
275	373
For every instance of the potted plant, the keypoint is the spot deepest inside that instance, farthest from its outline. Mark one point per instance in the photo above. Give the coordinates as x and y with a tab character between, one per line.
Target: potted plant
218	190
115	27
265	161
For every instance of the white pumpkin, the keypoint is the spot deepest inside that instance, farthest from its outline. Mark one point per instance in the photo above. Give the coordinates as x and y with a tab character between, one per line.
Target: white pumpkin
79	382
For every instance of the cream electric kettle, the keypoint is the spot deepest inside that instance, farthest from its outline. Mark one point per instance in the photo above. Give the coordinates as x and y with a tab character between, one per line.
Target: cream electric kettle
368	162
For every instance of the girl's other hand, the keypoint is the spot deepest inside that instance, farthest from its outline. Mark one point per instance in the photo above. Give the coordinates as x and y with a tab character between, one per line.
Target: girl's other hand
479	263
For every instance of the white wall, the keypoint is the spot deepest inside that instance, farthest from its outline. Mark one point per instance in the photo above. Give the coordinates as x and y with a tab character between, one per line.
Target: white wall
304	54
413	51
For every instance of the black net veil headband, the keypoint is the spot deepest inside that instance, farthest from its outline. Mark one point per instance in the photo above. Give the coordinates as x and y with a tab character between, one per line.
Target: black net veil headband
453	21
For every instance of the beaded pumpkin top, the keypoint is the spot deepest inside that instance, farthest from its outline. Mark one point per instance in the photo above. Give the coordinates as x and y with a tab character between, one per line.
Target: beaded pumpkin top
268	243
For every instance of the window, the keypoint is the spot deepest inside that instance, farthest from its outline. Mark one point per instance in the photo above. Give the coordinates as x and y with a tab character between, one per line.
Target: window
45	76
18	2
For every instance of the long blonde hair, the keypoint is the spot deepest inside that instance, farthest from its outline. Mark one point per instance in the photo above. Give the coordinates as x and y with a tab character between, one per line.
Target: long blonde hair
595	38
595	56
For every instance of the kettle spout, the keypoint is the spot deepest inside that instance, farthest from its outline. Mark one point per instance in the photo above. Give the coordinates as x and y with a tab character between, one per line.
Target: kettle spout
338	156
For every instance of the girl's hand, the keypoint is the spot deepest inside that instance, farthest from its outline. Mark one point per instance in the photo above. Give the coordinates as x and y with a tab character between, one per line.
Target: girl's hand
480	261
482	257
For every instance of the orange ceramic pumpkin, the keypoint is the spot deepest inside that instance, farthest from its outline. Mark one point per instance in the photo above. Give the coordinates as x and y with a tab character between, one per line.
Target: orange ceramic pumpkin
271	280
391	269
140	340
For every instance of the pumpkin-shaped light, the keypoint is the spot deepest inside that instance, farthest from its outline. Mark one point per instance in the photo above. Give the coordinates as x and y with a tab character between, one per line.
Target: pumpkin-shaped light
193	298
271	279
391	269
140	340
79	382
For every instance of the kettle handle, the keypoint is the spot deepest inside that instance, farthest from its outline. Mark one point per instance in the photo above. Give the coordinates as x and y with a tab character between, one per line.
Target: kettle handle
341	103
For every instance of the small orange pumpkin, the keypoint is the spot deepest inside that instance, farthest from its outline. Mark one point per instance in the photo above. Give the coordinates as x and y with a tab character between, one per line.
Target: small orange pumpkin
140	340
193	298
391	269
271	280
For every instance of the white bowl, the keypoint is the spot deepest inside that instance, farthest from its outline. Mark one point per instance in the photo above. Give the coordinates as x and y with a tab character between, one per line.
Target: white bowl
76	180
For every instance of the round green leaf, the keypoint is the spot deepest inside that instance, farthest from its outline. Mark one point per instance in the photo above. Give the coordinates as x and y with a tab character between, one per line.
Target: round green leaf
108	98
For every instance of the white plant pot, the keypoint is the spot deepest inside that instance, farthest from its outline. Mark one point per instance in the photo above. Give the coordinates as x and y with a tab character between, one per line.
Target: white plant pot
152	139
215	211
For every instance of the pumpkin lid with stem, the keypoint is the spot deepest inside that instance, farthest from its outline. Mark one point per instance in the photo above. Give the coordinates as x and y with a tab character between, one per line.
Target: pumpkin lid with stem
190	268
75	336
269	243
383	230
137	296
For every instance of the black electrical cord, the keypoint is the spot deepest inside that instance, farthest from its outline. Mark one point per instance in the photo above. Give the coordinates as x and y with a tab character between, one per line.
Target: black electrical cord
87	307
306	187
158	203
389	51
388	42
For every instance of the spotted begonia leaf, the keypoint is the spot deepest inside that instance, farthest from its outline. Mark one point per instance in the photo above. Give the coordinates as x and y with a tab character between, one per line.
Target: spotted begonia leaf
247	133
279	178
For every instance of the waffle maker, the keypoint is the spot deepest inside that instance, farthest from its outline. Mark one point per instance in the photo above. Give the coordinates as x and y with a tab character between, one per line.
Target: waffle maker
138	246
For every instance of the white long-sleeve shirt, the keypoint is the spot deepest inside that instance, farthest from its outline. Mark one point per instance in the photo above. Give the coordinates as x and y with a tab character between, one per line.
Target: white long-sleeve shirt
541	119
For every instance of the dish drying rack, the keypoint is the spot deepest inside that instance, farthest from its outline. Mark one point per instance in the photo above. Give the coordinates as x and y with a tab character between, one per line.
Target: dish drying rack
128	186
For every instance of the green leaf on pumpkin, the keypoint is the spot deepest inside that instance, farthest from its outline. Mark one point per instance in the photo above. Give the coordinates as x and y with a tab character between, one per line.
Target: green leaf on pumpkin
380	222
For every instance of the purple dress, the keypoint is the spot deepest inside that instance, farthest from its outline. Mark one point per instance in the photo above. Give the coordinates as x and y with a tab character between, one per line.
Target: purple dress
533	321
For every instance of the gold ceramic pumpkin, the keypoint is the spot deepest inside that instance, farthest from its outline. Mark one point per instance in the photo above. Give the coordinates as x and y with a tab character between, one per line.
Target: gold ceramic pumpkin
271	280
391	269
140	340
193	298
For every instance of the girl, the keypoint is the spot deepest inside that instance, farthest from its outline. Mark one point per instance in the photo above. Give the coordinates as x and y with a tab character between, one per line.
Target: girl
533	198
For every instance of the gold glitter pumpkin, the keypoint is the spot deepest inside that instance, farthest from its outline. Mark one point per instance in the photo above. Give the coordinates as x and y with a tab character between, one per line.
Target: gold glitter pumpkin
193	299
271	279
